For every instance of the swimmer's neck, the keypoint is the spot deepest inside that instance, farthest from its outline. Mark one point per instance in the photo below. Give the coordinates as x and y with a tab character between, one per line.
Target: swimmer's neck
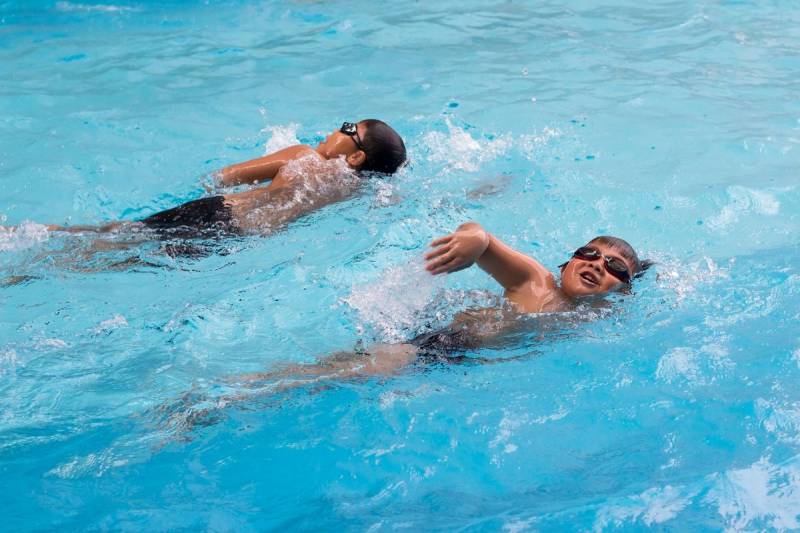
571	302
326	158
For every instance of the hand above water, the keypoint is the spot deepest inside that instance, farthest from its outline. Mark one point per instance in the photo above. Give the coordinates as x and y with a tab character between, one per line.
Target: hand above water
457	251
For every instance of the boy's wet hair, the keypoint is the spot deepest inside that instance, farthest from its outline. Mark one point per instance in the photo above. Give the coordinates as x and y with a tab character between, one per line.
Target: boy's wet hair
625	250
383	146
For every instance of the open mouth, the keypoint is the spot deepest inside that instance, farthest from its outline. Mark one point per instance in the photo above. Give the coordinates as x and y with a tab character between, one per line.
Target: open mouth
589	279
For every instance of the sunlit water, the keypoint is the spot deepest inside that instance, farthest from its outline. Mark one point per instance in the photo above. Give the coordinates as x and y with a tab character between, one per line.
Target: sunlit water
675	125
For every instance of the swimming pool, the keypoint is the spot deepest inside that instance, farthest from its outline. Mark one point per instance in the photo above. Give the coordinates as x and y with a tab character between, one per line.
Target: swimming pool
675	125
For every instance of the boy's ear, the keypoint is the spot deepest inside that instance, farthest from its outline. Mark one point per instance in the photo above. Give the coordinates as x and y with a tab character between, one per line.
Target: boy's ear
356	159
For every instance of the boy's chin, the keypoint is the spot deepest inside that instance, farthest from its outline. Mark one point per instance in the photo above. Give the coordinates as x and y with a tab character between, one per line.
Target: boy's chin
583	292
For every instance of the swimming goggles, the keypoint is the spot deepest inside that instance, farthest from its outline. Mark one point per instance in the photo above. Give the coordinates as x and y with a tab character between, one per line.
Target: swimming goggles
351	129
614	266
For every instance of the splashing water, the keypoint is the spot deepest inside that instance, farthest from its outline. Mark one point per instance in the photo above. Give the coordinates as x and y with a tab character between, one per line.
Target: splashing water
313	182
281	137
24	236
458	150
390	306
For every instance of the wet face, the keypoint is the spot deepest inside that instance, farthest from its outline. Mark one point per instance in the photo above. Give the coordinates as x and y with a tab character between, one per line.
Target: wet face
583	277
338	144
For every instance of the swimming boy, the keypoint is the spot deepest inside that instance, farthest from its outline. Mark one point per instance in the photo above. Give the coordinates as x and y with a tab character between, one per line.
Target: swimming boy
603	265
301	179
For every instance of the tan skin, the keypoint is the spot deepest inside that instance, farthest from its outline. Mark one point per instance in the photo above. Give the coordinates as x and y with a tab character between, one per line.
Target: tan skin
529	287
270	205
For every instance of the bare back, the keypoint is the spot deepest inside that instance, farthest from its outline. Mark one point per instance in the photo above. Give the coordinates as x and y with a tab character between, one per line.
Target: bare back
301	186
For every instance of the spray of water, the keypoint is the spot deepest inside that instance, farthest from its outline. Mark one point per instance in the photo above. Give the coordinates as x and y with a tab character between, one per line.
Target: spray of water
21	237
281	137
312	183
458	150
390	307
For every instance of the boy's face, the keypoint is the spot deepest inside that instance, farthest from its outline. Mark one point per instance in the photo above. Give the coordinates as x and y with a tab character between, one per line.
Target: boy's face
338	144
586	277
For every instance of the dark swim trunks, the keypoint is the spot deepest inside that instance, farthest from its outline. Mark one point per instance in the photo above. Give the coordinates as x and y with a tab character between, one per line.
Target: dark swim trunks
443	346
194	219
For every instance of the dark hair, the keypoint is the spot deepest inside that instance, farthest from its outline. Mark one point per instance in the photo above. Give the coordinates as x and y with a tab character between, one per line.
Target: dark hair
384	148
625	250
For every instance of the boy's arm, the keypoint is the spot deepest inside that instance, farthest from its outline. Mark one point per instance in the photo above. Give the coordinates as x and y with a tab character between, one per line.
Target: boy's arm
260	169
470	244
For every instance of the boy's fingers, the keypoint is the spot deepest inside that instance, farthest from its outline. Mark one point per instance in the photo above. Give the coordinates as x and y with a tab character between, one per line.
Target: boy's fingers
436	263
447	266
436	252
441	240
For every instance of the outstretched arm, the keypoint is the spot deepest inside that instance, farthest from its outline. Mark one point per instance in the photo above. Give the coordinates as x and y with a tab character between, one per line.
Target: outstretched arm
259	169
471	244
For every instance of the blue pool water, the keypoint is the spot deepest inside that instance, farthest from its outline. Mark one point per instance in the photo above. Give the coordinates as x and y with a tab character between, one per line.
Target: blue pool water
675	125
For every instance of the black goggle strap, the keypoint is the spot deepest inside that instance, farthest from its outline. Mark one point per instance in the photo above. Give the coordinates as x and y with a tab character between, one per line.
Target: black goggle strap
351	129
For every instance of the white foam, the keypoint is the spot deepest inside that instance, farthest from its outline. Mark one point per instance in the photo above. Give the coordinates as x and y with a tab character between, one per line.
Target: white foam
685	363
680	362
386	193
558	415
653	506
518	526
23	236
533	144
100	8
281	137
390	306
685	278
509	424
762	494
741	201
118	321
458	150
8	360
50	343
92	464
783	421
